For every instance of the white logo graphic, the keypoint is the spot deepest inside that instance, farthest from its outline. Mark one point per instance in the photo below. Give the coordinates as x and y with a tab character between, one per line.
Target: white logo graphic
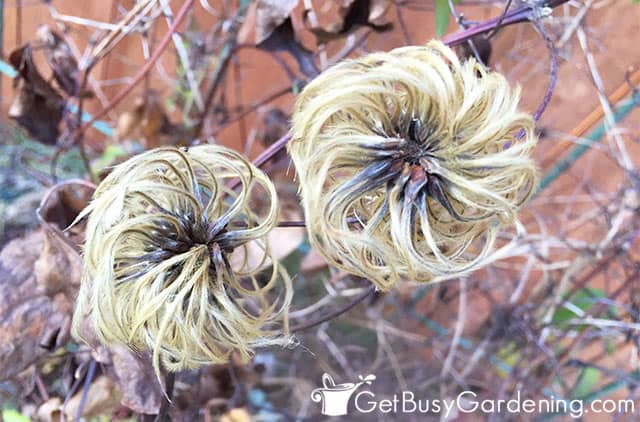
335	398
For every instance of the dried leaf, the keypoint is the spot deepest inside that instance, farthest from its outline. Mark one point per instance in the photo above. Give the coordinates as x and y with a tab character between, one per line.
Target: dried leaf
61	60
355	13
103	398
274	32
378	10
148	119
37	106
283	241
239	414
27	314
60	206
59	267
137	381
50	410
271	14
312	263
39	277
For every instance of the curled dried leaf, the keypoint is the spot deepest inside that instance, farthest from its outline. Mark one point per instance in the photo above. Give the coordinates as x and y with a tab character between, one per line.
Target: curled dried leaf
271	14
283	38
148	119
37	106
354	14
29	316
61	60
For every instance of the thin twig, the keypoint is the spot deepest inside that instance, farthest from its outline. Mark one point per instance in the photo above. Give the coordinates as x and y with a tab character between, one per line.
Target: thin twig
553	71
145	69
163	414
457	333
623	158
403	25
223	62
184	57
460	20
520	14
498	26
336	313
85	388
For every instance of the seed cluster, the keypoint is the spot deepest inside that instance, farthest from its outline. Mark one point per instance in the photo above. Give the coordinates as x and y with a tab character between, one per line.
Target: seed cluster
410	162
177	262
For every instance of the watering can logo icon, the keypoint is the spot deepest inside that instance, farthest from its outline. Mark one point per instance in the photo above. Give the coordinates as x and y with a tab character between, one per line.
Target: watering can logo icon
335	398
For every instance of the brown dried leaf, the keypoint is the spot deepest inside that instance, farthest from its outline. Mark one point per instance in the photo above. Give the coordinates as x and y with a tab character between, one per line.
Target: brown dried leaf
239	414
27	314
282	240
127	123
137	381
37	106
270	14
354	13
62	203
59	208
60	59
103	398
378	11
274	32
312	263
59	267
148	119
50	410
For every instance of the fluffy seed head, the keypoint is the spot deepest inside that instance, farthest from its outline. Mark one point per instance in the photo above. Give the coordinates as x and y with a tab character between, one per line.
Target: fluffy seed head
410	162
178	263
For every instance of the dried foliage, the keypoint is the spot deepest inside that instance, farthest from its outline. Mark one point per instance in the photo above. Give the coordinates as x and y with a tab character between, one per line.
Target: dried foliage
354	14
36	106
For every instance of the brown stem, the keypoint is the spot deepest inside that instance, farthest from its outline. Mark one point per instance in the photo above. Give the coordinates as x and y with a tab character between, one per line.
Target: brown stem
520	14
227	52
163	413
336	313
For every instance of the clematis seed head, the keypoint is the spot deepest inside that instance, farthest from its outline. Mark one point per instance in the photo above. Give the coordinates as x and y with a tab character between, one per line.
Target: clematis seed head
410	163
177	262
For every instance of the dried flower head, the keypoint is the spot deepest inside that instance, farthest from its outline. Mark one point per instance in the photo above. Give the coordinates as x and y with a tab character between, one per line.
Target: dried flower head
175	259
410	163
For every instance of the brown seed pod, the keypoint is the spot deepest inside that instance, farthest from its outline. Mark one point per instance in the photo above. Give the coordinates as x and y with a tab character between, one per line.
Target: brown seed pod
410	162
178	263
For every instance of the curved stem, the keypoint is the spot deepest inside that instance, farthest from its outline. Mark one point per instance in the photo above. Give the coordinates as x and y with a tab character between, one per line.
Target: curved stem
553	72
520	14
336	313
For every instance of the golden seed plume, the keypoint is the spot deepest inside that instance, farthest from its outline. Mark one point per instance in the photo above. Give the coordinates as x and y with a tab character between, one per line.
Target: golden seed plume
410	162
170	258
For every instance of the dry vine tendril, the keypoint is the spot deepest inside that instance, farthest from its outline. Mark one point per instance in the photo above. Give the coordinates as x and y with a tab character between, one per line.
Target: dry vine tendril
408	163
175	260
